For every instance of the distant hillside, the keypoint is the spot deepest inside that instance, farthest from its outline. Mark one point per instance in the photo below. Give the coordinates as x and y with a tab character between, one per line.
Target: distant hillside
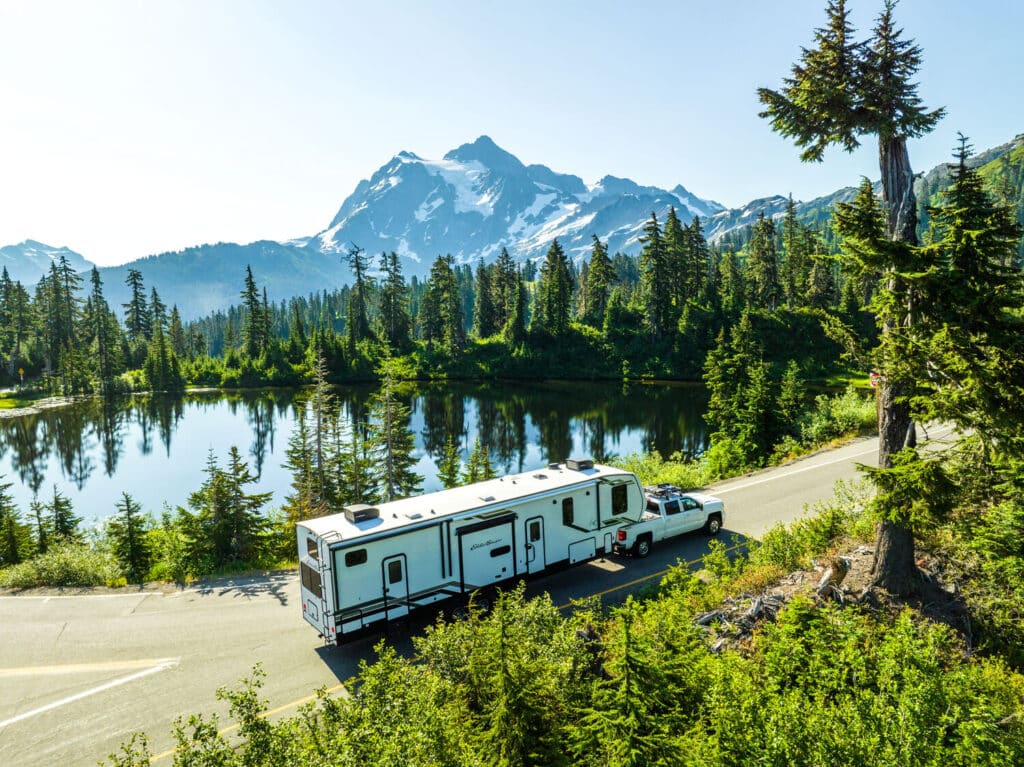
208	278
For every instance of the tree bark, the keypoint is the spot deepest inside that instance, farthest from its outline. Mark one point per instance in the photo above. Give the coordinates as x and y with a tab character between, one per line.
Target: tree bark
894	568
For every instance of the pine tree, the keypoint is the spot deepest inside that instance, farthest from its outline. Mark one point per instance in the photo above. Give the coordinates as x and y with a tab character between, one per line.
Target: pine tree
840	91
681	277
441	316
485	317
357	327
179	343
157	310
514	330
553	302
504	285
394	305
303	502
793	269
103	331
128	540
15	535
252	321
655	281
137	318
600	278
390	431
41	527
762	268
63	522
449	465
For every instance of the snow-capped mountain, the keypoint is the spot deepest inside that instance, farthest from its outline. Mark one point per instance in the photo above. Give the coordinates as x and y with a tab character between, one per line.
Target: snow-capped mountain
479	198
28	261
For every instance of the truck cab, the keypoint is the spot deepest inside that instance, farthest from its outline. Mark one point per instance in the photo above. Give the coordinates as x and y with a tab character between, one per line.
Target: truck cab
669	512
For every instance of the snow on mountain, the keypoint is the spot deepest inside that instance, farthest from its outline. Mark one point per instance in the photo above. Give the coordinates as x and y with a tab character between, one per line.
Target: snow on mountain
27	261
480	198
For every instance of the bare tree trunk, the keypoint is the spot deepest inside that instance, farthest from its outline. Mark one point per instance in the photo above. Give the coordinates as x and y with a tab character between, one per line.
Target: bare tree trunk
894	568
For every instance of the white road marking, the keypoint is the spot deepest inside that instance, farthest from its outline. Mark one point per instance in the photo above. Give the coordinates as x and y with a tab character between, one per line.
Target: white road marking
78	668
85	694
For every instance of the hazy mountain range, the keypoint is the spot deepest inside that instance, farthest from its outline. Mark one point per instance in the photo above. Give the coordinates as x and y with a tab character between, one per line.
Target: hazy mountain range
471	203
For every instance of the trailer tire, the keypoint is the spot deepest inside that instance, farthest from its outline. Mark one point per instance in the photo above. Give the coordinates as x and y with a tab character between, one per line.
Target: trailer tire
642	547
713	524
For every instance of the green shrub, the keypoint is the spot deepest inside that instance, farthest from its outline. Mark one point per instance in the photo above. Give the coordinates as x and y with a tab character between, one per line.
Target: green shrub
652	469
65	564
838	416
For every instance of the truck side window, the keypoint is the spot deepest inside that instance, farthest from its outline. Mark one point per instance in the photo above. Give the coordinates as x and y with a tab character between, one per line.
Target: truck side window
567	516
620	499
689	503
672	507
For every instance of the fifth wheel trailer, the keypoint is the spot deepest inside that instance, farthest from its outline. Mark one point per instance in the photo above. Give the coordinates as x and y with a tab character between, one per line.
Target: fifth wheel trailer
369	565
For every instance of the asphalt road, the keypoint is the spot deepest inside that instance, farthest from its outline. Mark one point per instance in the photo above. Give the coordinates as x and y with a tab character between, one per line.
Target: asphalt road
79	674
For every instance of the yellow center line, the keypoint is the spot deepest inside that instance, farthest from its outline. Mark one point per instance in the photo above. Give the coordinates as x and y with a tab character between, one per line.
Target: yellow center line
296	703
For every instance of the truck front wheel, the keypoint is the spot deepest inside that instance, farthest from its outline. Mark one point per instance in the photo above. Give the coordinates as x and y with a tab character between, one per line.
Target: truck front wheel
713	525
642	548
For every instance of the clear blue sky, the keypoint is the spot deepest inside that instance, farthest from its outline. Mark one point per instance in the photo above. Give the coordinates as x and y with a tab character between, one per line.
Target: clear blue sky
131	128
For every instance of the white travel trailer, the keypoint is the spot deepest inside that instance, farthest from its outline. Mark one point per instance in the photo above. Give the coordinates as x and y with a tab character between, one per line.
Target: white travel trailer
370	565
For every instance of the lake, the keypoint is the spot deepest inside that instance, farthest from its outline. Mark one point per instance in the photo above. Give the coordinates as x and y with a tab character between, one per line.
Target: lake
155	447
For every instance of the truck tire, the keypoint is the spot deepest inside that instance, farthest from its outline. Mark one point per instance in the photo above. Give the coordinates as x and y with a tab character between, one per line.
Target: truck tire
713	525
642	547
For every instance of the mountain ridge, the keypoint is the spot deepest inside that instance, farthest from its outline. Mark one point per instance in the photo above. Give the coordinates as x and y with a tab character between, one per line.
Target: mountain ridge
475	200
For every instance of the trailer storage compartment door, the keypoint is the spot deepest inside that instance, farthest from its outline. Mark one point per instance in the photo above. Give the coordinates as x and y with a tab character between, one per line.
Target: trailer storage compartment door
487	552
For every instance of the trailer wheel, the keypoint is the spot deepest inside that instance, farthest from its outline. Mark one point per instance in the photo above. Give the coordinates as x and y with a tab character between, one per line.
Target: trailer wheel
642	547
460	613
713	525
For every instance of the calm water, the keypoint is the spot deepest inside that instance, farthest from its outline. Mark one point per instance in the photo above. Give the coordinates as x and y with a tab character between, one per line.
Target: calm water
156	447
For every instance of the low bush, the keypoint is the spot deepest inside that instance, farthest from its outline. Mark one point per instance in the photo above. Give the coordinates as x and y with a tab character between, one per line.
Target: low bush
64	564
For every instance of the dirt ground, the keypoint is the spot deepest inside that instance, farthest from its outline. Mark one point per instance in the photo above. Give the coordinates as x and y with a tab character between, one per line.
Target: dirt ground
732	624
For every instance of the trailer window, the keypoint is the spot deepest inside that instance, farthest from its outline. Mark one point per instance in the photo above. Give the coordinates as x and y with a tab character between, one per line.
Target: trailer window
672	507
535	531
620	499
312	549
567	515
353	558
500	551
310	579
395	571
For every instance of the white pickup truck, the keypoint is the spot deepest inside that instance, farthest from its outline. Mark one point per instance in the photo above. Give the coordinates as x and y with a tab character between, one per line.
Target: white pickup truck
669	512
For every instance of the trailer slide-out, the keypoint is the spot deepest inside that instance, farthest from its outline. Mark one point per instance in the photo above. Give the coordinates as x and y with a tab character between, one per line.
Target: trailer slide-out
369	565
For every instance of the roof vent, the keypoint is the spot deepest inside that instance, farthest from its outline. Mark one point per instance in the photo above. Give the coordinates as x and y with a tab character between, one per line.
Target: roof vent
487	498
540	476
579	464
360	512
553	466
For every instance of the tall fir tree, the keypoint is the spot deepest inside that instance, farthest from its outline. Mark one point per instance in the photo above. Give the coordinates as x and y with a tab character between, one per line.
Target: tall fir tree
656	281
553	302
841	90
485	317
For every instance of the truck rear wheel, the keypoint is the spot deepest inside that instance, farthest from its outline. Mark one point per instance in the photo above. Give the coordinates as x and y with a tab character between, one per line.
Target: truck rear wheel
713	525
642	547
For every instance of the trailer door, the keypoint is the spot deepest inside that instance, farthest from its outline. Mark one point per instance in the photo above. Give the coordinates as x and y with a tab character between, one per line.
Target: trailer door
396	587
535	554
314	577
